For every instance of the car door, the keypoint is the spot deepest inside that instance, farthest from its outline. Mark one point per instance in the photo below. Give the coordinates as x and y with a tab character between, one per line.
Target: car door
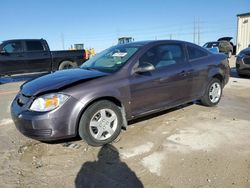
199	61
37	56
164	87
12	60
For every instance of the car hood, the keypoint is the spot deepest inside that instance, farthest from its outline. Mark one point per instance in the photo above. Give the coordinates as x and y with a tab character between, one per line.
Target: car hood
59	80
246	51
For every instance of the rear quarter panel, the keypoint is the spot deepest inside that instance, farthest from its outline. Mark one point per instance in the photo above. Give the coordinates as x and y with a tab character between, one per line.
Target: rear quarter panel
219	66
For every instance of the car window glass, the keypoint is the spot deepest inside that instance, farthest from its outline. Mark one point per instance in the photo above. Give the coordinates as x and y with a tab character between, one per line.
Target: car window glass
13	47
34	46
163	56
211	45
195	53
112	59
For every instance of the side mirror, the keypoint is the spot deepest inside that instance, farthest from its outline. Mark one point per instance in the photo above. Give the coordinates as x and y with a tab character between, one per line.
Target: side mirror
145	67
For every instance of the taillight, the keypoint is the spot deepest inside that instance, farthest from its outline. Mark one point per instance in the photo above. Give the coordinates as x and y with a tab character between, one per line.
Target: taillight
86	55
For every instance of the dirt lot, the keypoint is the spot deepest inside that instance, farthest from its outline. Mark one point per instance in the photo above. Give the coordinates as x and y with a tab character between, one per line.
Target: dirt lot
192	146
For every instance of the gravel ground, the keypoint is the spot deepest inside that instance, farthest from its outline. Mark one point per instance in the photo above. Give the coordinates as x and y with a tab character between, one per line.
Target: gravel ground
189	146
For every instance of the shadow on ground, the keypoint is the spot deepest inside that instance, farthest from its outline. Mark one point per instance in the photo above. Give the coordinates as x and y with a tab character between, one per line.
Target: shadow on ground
160	113
107	172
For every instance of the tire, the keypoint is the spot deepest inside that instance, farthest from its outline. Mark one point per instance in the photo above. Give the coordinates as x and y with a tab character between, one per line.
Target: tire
239	74
97	130
212	98
67	65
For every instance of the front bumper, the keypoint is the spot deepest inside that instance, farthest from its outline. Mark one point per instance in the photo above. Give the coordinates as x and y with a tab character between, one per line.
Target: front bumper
57	124
243	65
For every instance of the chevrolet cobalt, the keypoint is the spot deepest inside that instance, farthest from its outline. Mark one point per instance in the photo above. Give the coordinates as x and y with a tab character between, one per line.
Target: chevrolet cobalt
119	84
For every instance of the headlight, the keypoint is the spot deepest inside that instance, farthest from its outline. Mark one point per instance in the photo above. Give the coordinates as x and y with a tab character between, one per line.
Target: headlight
48	102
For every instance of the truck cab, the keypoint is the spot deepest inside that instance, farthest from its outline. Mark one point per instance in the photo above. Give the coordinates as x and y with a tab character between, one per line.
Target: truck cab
24	56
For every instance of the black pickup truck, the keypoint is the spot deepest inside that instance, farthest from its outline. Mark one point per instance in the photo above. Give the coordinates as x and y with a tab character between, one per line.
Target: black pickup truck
33	55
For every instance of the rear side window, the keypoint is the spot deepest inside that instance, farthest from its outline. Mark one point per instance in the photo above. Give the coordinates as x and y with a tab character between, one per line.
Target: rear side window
34	46
195	53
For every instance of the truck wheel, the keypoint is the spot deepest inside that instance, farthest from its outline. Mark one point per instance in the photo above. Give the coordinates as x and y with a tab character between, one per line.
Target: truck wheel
67	65
101	123
213	93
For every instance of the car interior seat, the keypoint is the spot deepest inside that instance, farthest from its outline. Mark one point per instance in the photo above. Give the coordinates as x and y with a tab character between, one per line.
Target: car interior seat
166	59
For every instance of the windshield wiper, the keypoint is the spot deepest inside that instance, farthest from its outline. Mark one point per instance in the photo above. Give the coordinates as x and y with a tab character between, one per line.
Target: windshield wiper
89	68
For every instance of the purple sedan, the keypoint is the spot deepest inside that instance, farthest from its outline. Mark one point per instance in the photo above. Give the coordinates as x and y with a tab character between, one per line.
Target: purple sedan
119	84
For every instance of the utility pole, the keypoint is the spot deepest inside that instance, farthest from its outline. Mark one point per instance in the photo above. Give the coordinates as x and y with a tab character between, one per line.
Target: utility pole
199	32
194	33
62	38
170	36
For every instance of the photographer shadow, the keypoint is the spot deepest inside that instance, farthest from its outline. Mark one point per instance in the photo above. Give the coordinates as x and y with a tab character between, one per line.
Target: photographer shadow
108	171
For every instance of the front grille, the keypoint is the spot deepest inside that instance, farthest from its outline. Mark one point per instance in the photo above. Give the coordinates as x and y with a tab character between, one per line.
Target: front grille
246	60
22	100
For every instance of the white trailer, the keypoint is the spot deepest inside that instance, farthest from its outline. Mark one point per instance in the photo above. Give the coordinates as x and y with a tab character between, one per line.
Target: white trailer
243	32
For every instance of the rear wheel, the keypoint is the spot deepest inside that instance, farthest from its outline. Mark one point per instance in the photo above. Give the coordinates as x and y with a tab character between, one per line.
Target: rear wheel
213	93
100	123
67	65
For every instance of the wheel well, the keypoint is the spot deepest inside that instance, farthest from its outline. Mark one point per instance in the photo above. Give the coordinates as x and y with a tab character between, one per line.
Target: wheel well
65	60
219	77
111	99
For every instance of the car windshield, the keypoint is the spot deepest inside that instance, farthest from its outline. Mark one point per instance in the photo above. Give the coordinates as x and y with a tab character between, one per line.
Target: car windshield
211	45
111	59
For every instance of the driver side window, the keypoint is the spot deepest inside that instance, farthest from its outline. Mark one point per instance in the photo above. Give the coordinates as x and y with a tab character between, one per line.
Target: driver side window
163	56
13	47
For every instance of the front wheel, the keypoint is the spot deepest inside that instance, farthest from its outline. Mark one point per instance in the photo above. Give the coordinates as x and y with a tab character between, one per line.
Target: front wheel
213	93
239	74
101	123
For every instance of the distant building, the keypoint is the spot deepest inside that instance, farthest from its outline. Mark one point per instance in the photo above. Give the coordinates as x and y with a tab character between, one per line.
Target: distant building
125	40
243	32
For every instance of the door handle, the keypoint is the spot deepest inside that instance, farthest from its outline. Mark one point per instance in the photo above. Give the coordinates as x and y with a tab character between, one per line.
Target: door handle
183	73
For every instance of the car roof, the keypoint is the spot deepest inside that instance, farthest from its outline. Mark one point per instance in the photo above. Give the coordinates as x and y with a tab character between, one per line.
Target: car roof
22	40
148	42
